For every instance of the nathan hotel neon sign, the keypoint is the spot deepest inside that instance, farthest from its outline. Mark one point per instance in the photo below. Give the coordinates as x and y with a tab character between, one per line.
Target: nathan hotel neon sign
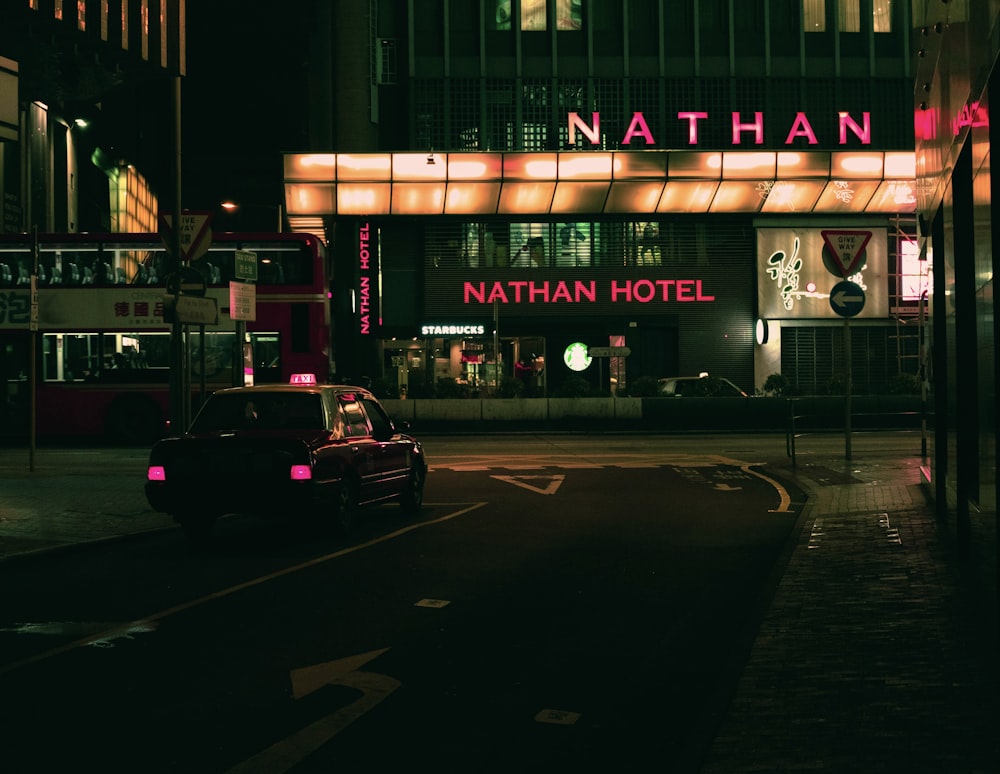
799	178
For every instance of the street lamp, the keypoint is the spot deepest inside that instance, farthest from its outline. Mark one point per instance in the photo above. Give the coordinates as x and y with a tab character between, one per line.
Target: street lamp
235	208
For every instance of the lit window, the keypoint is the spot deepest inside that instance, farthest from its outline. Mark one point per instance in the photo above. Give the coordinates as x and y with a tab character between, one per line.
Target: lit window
533	15
814	15
569	14
882	15
849	15
914	273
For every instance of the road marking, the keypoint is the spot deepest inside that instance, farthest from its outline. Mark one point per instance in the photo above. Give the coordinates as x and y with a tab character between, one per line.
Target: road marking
560	717
554	483
118	631
110	631
293	749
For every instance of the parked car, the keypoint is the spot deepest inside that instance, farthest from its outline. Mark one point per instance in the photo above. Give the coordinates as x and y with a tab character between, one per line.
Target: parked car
698	386
288	451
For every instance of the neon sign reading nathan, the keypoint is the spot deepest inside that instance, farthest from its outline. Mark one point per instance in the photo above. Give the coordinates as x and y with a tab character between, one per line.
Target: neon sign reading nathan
365	279
800	128
642	291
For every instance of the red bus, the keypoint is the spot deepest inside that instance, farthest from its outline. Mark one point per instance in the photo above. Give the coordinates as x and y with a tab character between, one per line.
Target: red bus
102	348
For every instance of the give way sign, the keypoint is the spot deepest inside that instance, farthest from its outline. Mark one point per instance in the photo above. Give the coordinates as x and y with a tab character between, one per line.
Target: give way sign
193	233
844	251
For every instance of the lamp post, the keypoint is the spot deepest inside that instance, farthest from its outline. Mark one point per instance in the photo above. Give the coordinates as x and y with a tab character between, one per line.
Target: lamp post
235	208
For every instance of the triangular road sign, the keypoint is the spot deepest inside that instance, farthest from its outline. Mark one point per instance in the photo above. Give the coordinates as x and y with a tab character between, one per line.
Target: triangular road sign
553	485
845	251
194	233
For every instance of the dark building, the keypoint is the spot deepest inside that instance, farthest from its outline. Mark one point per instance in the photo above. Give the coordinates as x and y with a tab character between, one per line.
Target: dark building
86	93
952	96
655	181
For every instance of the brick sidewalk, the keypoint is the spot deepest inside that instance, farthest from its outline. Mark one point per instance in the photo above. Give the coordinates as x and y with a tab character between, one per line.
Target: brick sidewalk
871	657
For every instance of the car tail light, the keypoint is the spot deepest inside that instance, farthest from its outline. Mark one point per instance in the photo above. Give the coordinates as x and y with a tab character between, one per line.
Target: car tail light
301	473
156	473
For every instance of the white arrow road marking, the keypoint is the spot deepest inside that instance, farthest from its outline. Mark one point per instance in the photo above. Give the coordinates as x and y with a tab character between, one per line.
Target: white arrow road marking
727	488
554	483
292	750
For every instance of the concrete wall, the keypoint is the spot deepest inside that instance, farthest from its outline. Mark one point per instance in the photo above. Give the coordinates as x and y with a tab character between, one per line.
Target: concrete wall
759	414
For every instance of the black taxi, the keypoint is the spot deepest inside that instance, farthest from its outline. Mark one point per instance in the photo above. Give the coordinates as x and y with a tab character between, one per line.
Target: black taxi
287	450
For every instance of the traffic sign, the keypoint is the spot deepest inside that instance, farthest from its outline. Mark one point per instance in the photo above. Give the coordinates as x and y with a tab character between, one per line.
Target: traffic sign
844	251
242	301
847	298
193	233
190	310
188	282
609	351
246	265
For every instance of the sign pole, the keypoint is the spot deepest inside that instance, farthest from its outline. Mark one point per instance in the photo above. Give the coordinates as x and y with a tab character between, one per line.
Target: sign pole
848	355
242	307
178	417
33	357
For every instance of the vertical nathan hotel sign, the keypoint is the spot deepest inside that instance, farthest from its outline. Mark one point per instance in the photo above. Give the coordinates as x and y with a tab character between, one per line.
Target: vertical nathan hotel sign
367	290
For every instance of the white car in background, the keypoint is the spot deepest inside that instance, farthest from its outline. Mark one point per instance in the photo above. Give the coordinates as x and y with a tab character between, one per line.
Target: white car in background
702	386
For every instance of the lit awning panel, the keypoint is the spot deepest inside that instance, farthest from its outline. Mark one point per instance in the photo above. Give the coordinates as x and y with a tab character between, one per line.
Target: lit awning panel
599	182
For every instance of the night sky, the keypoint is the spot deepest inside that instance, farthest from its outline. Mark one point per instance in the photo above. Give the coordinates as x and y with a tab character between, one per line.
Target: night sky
243	105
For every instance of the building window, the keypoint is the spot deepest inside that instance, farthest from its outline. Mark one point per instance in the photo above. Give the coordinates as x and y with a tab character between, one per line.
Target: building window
569	14
814	15
849	15
882	15
534	14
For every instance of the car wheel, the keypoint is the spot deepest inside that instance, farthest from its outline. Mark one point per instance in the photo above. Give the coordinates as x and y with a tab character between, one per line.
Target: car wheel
412	497
345	509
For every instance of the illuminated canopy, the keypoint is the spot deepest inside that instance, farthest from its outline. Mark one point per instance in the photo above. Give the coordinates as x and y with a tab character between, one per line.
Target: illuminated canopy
597	183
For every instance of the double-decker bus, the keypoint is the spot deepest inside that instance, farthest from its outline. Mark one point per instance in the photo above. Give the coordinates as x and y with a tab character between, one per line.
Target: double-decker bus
102	345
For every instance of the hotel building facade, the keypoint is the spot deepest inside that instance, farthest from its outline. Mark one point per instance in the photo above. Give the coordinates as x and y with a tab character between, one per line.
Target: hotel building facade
611	191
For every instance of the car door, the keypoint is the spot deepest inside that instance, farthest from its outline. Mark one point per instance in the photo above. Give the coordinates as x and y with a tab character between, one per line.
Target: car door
394	452
364	449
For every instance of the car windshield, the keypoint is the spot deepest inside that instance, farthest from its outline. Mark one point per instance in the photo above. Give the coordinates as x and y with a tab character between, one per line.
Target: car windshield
261	410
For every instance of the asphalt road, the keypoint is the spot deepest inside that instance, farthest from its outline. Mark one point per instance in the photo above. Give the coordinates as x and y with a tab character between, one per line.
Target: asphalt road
566	603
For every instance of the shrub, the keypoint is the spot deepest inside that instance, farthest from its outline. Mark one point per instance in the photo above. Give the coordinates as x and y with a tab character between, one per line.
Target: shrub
777	385
421	390
448	387
383	389
643	387
573	386
837	385
904	384
510	387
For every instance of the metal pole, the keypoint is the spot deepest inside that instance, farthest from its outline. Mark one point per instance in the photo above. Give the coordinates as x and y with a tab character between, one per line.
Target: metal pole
178	403
496	349
237	370
923	378
33	356
847	400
